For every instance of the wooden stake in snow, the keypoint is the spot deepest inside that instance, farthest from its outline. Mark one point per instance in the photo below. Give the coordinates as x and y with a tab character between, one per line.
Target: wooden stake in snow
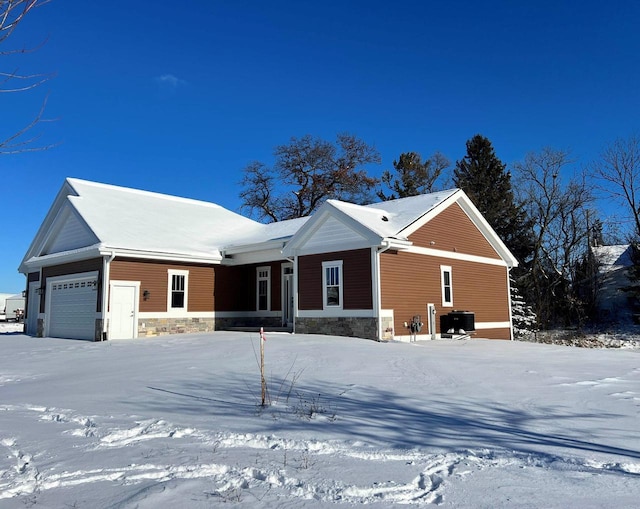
262	378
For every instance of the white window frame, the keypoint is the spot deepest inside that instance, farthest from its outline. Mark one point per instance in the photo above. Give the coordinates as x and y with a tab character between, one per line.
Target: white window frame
446	269
170	274
266	276
337	264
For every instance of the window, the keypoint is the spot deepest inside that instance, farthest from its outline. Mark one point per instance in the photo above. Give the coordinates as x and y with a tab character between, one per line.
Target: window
332	284
263	288
178	285
447	286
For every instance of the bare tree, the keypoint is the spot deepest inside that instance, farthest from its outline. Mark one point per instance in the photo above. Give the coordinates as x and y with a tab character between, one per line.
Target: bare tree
306	172
12	14
618	173
560	214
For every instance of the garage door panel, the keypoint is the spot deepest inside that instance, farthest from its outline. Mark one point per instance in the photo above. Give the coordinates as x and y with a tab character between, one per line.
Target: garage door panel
73	309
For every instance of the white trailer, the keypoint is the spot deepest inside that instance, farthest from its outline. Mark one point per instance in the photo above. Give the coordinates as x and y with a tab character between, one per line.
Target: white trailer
3	300
14	308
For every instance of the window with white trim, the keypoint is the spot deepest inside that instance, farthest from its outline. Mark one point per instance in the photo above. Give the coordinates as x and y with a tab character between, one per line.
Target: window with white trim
263	288
447	286
332	285
178	286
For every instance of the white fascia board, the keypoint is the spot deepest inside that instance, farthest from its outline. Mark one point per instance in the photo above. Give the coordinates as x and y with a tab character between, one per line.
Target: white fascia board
485	228
427	251
74	255
476	218
99	250
430	214
255	247
272	255
396	244
43	232
215	257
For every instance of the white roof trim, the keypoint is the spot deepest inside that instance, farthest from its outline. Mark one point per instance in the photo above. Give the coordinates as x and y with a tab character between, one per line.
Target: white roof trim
328	209
467	206
99	250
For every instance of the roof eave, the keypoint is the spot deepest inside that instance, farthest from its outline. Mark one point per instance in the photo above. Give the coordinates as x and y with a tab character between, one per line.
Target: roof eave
214	258
99	250
256	246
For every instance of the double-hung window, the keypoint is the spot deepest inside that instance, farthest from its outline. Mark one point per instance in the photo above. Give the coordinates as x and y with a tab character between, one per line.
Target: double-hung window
332	285
178	285
263	288
447	286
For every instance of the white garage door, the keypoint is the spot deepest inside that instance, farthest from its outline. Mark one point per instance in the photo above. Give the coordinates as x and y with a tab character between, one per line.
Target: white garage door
72	312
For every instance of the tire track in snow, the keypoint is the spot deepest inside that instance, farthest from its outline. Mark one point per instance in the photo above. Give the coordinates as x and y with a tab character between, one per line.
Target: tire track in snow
432	472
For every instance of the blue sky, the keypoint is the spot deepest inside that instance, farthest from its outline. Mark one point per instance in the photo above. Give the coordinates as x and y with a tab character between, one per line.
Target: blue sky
178	97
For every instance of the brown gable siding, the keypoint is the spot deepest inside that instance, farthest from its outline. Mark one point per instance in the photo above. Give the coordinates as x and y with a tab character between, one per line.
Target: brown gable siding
356	267
235	287
153	278
453	231
411	281
94	264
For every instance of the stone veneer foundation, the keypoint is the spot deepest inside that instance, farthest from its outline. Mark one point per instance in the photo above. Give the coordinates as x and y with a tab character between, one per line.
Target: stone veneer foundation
340	326
165	326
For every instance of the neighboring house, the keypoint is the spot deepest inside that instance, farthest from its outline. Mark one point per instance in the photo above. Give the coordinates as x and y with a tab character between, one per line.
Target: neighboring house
612	276
111	262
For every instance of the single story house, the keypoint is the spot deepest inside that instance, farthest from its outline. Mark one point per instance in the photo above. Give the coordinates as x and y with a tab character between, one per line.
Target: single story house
110	262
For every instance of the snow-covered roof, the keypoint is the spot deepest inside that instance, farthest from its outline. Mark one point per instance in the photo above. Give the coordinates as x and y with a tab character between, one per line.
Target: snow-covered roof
390	218
145	221
613	256
341	225
103	219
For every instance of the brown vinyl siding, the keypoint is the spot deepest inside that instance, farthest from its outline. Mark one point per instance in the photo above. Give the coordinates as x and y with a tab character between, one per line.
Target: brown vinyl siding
356	275
493	334
235	287
411	281
153	277
70	269
453	231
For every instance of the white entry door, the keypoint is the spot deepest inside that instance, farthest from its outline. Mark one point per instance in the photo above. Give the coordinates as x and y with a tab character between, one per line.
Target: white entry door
123	309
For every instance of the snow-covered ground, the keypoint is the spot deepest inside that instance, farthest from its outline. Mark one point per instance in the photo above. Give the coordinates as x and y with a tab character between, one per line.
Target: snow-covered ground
175	422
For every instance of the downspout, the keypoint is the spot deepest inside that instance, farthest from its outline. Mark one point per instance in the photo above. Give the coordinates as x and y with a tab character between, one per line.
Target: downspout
510	303
386	245
106	265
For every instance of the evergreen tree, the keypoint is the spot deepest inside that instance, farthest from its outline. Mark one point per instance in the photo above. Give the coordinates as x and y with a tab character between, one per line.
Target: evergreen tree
523	316
484	178
413	176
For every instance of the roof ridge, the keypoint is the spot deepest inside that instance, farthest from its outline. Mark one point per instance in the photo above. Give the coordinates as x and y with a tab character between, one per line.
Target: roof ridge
168	197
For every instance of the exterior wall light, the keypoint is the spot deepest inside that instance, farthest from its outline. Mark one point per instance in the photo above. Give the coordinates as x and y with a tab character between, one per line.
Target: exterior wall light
146	295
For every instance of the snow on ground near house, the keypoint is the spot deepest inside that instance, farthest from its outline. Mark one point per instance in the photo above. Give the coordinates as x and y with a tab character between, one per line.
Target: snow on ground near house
175	422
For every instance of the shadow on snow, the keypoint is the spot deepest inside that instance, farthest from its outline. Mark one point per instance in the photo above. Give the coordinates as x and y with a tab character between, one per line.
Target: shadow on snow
386	417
